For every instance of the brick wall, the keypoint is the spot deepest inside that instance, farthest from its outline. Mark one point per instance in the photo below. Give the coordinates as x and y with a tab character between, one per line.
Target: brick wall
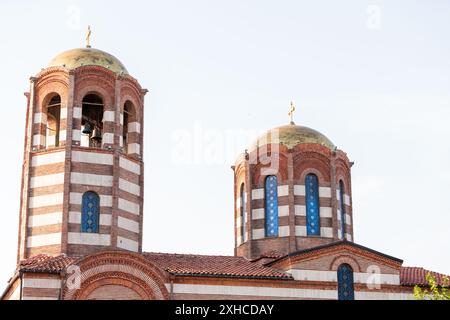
55	177
292	166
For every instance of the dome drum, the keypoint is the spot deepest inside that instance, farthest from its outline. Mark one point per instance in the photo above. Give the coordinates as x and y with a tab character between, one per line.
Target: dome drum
304	208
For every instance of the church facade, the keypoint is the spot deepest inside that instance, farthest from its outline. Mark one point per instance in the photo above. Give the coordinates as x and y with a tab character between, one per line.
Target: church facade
81	209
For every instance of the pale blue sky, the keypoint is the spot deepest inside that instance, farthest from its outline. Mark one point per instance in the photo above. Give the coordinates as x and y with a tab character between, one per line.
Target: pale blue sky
225	70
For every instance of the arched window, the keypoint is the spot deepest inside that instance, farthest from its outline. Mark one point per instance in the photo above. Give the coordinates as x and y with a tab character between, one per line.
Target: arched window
131	129
312	205
243	213
271	199
91	122
345	282
90	212
53	122
342	207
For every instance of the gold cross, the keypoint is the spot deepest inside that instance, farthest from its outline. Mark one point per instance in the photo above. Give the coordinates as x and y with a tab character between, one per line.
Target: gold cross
88	37
291	112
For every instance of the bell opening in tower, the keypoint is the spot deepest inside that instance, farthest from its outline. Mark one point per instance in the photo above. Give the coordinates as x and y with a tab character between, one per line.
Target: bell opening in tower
128	117
129	132
53	122
91	123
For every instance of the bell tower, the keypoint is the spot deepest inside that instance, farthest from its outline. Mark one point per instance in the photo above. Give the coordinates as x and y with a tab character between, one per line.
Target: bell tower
82	178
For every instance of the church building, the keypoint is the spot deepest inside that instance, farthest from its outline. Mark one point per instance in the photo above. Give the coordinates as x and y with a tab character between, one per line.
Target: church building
81	206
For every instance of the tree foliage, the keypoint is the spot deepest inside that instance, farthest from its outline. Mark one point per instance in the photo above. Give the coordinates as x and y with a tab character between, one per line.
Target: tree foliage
435	291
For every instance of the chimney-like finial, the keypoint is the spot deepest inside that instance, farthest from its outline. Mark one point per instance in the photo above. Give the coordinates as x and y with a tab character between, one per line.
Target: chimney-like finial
88	37
291	113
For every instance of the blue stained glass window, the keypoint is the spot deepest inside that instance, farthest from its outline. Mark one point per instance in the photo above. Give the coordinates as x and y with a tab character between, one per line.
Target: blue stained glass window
312	205
345	282
90	211
342	207
271	199
243	213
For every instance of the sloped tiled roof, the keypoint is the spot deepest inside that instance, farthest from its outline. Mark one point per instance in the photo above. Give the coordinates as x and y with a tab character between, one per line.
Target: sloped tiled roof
179	264
46	263
411	276
330	245
272	254
205	265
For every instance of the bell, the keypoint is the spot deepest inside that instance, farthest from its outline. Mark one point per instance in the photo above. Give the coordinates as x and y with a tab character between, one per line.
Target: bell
96	135
87	128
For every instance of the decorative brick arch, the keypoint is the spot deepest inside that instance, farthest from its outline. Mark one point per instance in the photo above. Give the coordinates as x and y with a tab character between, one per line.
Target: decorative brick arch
106	97
116	278
121	268
312	162
131	88
48	85
343	168
281	172
239	173
45	94
340	176
136	108
129	93
94	79
345	259
315	171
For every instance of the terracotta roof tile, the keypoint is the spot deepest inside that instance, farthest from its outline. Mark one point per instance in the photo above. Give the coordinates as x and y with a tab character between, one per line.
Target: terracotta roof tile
337	244
273	254
45	263
410	276
205	265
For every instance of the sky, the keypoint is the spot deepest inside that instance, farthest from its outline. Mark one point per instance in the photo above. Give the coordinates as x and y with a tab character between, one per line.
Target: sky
373	76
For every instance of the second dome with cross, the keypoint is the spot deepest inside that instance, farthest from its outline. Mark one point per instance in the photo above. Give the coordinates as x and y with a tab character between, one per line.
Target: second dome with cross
292	191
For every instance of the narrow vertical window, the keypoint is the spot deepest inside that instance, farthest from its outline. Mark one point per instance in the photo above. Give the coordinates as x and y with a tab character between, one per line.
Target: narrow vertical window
130	129
243	214
345	282
129	126
271	199
312	205
342	207
53	122
90	212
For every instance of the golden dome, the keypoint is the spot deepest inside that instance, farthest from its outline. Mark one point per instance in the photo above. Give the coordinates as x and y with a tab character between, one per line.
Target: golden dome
291	135
75	58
